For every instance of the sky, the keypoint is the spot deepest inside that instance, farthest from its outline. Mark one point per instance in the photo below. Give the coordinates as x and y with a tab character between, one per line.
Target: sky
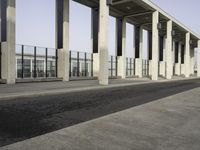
35	23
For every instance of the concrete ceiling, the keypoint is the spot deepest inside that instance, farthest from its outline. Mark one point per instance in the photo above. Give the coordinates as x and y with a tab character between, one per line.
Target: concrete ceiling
139	13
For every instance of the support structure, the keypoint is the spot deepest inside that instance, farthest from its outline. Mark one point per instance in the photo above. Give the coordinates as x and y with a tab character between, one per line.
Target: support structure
198	59
121	46
192	61
138	50
62	38
187	55
169	50
103	42
8	35
155	36
95	39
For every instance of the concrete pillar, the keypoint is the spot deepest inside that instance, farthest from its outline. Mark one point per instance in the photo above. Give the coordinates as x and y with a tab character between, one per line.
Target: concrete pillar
138	51
178	64
8	45
121	46
192	61
198	59
103	42
169	50
94	39
155	36
187	55
62	38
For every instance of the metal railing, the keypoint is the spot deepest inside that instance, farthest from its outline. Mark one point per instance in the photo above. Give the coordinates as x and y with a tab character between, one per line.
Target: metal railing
113	62
81	64
145	67
35	62
130	67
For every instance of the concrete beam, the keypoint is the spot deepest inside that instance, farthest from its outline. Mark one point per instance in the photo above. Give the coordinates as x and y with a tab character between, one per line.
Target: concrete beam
155	37
103	42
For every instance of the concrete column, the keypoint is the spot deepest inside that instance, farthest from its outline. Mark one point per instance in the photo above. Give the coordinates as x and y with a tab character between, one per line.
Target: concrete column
121	46
155	37
103	42
192	61
178	64
62	38
198	59
94	40
139	51
169	50
8	44
187	55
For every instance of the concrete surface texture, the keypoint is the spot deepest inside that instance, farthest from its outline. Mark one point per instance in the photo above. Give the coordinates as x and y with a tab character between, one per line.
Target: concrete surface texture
156	116
167	124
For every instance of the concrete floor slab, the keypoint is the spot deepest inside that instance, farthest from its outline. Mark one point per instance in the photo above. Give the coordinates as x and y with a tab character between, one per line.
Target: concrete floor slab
166	124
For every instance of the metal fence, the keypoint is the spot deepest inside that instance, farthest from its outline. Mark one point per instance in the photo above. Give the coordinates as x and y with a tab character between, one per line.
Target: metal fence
145	67
113	62
81	64
130	67
35	62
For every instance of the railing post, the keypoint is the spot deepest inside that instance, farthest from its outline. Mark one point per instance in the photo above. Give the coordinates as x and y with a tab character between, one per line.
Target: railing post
46	61
35	74
111	66
126	66
116	67
0	60
22	61
78	66
70	63
92	65
56	62
85	64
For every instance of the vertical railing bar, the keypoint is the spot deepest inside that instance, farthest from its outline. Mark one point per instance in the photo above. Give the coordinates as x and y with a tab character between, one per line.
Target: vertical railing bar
46	60
116	66
111	66
35	62
78	72
22	61
56	63
70	63
85	64
92	64
0	60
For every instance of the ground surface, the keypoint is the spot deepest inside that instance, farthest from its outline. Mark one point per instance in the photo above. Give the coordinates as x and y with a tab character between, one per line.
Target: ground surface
159	123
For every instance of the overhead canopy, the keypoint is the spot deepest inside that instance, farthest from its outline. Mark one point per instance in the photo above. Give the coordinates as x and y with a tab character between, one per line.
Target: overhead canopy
139	13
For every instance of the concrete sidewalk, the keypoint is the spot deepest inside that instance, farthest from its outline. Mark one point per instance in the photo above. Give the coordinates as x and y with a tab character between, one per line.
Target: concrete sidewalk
44	88
48	88
167	124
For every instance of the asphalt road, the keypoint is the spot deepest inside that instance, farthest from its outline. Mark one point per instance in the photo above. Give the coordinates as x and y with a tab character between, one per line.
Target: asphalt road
23	118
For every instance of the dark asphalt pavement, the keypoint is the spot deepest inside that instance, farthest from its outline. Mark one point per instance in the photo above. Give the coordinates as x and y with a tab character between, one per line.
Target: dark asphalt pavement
23	118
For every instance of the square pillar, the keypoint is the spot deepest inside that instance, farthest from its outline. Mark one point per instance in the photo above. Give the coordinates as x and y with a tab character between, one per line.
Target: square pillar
178	63
198	59
103	42
62	38
169	50
121	46
8	36
138	50
155	37
192	61
94	39
187	55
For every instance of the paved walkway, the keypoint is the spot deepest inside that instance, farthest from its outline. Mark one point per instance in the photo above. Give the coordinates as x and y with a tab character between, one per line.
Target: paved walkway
171	123
48	88
44	88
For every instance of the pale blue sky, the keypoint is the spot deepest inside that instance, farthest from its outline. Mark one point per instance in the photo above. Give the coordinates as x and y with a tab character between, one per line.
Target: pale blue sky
36	23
